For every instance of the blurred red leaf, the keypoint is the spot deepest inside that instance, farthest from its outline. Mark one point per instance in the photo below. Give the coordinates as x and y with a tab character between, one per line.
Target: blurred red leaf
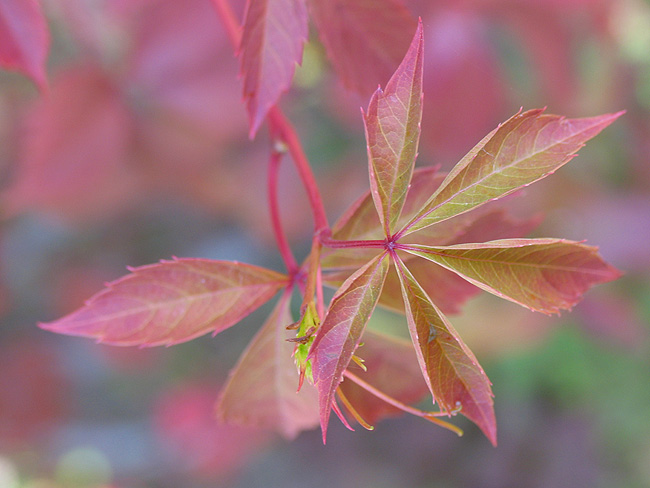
454	376
271	45
24	39
341	330
392	125
365	39
171	302
185	421
261	389
74	149
33	391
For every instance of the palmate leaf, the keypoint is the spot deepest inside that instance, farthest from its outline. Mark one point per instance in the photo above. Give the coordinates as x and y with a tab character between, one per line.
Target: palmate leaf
341	330
454	376
392	125
546	275
364	39
24	38
172	302
271	45
261	389
524	149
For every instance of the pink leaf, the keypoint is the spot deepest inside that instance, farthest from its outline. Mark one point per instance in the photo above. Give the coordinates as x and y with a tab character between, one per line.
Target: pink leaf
24	39
74	150
365	39
454	376
546	275
261	390
271	45
341	330
392	132
172	302
524	149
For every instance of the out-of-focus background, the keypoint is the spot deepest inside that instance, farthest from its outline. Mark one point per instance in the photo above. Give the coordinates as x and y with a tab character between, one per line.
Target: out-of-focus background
139	151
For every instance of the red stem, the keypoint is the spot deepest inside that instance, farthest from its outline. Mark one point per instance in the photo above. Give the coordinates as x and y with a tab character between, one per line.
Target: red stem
280	126
233	29
280	236
336	244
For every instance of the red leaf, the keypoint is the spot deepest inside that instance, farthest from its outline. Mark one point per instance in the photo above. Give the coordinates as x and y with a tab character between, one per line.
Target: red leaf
365	39
172	302
392	368
522	150
24	39
271	45
392	132
341	330
261	390
74	150
546	275
190	435
453	374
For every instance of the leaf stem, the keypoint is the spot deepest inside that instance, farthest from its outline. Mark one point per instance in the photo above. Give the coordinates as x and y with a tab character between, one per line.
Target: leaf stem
229	20
278	231
282	127
336	244
430	416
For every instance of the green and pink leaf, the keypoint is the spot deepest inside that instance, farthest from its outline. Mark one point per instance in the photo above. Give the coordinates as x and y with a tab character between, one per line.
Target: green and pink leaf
546	275
392	125
522	150
454	376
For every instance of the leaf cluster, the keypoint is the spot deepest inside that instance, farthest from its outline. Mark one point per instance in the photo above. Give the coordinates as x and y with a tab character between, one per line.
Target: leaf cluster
418	242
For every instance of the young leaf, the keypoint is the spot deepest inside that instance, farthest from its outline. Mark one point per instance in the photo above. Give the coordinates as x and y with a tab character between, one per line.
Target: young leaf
546	275
392	131
341	330
524	149
24	39
172	302
365	39
453	374
261	390
271	45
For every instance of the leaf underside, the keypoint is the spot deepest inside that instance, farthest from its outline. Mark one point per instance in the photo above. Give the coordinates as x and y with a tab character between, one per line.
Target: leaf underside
261	389
171	302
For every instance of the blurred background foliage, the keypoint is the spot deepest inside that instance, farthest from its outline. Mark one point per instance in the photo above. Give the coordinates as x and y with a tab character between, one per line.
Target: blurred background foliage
139	152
